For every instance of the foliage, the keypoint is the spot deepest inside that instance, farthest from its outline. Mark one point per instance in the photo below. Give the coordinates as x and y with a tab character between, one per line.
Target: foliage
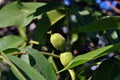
31	55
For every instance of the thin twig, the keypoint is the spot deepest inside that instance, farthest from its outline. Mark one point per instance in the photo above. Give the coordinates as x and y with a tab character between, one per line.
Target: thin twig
44	53
18	53
49	54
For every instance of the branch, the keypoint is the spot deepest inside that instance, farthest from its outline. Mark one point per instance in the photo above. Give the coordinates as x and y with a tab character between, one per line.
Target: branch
49	54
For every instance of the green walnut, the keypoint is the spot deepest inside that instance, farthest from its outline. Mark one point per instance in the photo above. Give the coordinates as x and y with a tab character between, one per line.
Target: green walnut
65	58
58	41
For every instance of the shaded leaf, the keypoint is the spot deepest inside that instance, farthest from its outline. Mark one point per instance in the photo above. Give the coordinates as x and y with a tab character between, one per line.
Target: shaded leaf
47	7
40	31
48	19
108	70
26	68
42	64
10	42
11	50
102	24
88	1
118	77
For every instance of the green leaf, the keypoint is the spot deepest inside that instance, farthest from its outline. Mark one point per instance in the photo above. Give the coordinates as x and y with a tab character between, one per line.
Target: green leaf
92	55
12	14
10	42
11	50
118	77
88	1
47	20
117	61
102	24
40	31
108	70
52	62
47	7
13	68
42	64
26	68
25	57
55	16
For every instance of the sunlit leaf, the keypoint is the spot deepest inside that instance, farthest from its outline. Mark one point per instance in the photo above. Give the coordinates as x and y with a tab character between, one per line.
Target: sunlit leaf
26	68
13	14
80	59
10	42
42	64
55	16
13	68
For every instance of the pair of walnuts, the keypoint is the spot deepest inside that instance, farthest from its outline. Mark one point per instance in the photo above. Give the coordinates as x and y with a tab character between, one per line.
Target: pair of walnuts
58	41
